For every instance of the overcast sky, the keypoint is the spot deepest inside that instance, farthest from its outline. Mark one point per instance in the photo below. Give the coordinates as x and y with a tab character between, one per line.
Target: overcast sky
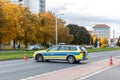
88	12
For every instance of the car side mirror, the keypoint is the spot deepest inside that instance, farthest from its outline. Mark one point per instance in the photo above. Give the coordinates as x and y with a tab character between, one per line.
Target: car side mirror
47	50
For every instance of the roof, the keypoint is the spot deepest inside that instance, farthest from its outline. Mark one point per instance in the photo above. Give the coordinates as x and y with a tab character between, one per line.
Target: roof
70	45
101	26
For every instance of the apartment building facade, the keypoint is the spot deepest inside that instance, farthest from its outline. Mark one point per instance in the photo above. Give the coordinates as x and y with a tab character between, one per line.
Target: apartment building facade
35	6
102	30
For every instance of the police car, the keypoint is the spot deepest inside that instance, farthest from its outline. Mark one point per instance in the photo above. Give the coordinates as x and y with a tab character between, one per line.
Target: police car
71	53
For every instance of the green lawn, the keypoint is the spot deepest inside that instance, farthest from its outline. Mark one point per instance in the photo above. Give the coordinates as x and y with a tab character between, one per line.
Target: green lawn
17	54
101	49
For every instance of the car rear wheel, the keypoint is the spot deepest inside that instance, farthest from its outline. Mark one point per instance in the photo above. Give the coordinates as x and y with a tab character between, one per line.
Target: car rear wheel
39	58
71	59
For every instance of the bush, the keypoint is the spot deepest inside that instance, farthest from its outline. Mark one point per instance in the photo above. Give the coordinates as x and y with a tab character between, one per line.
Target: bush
104	45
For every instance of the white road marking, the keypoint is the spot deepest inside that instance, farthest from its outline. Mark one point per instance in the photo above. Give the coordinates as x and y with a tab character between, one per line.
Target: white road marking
71	68
95	73
49	73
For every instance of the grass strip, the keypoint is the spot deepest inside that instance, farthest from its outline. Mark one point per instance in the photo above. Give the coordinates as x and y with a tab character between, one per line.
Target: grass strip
101	49
17	54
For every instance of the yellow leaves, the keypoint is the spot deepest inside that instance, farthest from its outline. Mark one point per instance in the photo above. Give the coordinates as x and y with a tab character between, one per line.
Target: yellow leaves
12	13
24	26
46	22
63	33
103	40
119	40
8	34
47	19
104	45
94	37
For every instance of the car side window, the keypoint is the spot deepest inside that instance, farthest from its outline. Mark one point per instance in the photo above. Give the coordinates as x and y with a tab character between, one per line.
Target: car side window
73	48
64	48
53	48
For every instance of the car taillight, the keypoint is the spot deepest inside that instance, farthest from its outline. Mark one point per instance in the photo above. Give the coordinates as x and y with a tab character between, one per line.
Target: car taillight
81	52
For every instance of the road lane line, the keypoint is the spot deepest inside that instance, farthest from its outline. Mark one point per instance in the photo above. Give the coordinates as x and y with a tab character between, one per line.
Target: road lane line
54	72
95	73
29	78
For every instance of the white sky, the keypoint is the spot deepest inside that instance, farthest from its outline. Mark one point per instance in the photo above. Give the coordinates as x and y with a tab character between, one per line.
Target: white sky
88	12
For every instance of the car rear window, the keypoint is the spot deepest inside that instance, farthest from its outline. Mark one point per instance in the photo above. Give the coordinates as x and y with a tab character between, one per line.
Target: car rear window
82	49
73	48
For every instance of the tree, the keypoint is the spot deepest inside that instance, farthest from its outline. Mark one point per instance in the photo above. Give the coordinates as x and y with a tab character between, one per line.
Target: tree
2	25
46	27
28	27
20	24
103	42
64	35
95	40
118	42
80	34
12	14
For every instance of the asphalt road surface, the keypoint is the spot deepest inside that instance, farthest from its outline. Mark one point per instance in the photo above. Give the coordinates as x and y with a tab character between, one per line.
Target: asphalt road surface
20	69
110	74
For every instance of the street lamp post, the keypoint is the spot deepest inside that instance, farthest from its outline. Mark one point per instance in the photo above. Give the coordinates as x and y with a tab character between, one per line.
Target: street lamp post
57	28
56	31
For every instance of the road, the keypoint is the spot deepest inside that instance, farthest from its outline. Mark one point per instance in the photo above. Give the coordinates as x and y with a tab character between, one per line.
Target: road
110	74
20	69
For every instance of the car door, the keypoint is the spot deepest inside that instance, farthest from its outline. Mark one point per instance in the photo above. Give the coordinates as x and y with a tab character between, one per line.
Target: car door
50	53
62	52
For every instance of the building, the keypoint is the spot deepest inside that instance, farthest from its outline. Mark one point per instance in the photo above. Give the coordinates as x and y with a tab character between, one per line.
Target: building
102	30
35	6
42	6
90	32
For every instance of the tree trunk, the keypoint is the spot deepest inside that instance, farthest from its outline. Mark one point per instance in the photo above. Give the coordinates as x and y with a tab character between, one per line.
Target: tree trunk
13	43
0	41
0	45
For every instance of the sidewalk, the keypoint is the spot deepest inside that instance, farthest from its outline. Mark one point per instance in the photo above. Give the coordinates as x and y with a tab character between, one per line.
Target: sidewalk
76	73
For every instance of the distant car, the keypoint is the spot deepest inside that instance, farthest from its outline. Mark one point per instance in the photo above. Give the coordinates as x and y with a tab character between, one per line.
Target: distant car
33	47
62	52
89	46
114	46
62	43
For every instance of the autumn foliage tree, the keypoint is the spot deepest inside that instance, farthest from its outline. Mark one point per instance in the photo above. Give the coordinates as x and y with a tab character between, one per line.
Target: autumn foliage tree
47	27
12	13
27	25
2	25
103	42
64	35
20	25
118	41
95	40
